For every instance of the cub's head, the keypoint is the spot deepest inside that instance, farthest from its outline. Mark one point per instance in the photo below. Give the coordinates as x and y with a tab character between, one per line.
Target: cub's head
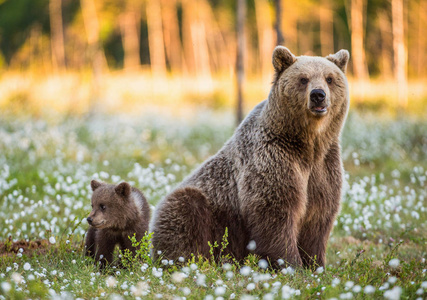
312	87
111	205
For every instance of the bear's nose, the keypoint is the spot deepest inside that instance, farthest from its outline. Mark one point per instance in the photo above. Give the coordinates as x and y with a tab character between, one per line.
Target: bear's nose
317	96
89	220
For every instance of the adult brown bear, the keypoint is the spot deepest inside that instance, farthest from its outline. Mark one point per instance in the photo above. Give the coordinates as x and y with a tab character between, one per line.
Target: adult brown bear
276	184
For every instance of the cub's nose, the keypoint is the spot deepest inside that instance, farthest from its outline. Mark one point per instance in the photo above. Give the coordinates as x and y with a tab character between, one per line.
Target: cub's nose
89	220
317	96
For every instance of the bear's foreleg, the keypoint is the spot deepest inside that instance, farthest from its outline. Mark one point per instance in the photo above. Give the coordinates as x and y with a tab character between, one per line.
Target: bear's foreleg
90	242
275	235
324	195
105	244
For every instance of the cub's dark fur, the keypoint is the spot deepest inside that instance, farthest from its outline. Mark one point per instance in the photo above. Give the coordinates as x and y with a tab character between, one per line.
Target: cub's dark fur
118	212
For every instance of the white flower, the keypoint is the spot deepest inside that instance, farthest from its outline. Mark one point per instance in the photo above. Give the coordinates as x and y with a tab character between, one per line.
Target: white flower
394	293
5	286
320	270
219	290
27	266
357	288
251	246
263	264
394	263
201	280
392	279
245	271
111	281
335	282
178	277
186	291
52	240
17	278
369	289
250	286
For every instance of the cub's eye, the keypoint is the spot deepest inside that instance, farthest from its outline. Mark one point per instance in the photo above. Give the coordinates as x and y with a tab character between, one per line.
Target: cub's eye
102	207
304	80
329	80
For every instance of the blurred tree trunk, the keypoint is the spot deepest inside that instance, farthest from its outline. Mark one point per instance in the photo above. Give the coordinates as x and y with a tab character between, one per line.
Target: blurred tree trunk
129	24
172	37
278	25
155	38
386	45
326	28
265	37
95	52
290	22
357	40
421	38
57	35
399	53
240	71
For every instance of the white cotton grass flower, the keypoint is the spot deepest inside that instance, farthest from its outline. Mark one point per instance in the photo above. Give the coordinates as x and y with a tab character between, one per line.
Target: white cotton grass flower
251	245
369	289
178	277
263	264
394	263
219	290
111	281
394	293
245	271
289	270
27	266
335	282
5	286
392	279
52	240
201	280
185	290
16	277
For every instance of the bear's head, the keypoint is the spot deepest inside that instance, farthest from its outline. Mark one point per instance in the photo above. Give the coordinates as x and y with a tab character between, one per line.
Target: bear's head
313	89
113	206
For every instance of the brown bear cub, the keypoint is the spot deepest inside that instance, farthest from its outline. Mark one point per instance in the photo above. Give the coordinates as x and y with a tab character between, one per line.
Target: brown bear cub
276	184
118	212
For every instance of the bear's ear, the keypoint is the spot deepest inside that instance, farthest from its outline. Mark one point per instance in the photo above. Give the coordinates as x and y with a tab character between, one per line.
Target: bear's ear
123	189
340	59
282	59
95	184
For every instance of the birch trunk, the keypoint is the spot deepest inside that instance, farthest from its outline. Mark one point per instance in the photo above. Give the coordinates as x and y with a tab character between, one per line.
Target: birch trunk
399	53
57	35
357	40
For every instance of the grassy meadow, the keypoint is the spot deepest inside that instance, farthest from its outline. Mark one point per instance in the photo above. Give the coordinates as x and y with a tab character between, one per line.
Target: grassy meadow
377	249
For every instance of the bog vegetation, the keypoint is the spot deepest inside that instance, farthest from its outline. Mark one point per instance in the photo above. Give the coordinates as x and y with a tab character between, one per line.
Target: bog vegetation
377	248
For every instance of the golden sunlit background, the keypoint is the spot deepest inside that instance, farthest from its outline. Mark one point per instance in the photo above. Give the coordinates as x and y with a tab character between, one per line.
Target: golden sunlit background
73	57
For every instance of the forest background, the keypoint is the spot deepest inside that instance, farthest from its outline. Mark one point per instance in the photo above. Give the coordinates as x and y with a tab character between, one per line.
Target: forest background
130	55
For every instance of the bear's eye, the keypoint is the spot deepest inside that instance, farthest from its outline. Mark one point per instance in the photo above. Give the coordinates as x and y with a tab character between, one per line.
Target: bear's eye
304	80
329	80
102	206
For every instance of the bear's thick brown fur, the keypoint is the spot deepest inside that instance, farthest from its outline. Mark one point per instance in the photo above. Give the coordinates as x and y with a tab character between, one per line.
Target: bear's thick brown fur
118	212
276	184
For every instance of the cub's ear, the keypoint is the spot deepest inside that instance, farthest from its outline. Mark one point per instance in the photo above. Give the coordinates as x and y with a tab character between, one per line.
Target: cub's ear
282	58
340	59
123	189
95	184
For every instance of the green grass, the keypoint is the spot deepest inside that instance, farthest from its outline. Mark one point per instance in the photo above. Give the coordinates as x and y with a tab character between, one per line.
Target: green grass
377	249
